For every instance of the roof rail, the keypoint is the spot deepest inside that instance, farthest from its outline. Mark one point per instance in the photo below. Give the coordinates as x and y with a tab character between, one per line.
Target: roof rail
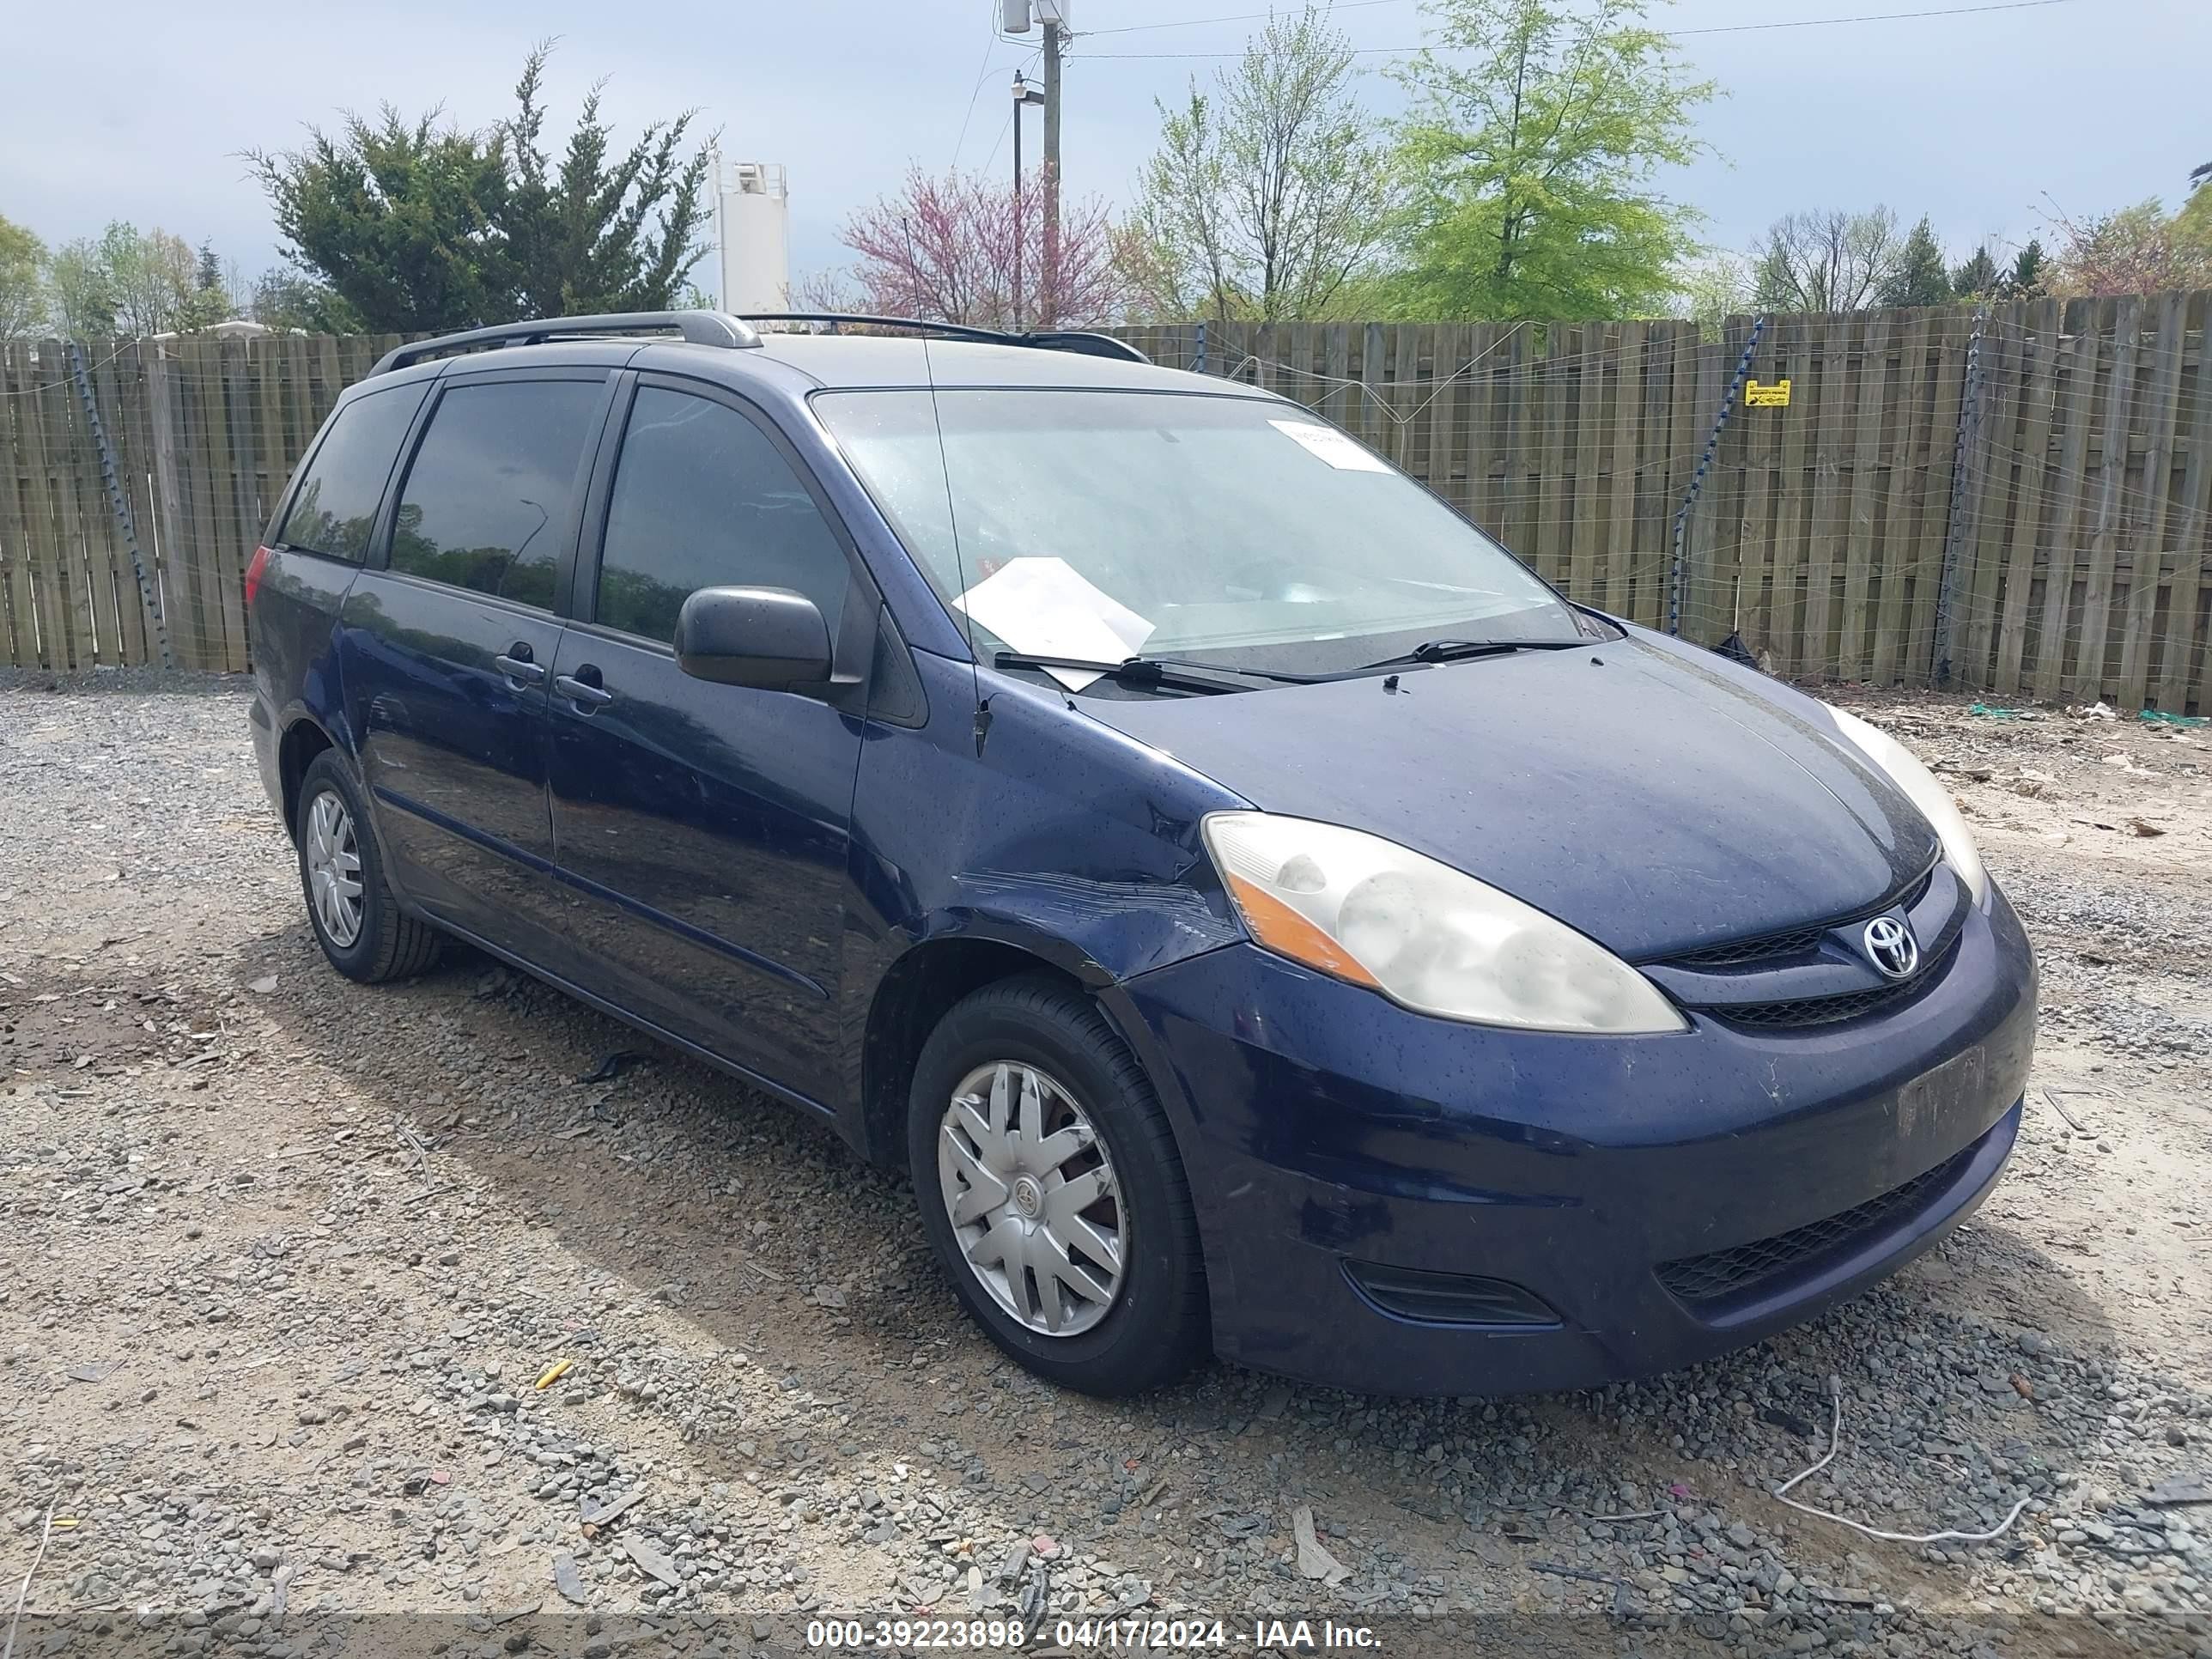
1083	341
713	328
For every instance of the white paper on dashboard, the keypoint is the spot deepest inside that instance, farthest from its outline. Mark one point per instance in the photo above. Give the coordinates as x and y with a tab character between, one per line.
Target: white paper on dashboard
1047	607
1332	446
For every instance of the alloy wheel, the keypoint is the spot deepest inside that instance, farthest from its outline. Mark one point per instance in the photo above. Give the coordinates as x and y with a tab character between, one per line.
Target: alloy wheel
333	853
1036	1206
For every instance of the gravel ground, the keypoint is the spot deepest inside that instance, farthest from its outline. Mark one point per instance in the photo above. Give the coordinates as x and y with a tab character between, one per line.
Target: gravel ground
286	1261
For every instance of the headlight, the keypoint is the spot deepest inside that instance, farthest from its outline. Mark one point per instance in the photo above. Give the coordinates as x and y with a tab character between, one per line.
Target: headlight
1424	935
1920	787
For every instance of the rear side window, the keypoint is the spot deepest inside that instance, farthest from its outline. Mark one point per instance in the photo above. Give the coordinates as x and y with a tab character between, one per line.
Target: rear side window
484	502
703	499
336	501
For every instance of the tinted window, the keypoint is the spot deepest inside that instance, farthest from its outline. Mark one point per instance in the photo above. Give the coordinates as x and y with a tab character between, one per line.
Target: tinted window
484	502
703	499
337	498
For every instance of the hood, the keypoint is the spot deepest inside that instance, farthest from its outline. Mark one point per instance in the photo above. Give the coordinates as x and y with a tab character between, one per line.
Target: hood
1654	802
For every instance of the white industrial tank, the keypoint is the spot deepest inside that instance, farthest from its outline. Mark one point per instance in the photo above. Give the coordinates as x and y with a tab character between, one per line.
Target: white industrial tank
752	222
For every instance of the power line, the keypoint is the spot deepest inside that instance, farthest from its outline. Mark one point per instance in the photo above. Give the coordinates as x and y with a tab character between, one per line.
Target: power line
1672	34
1234	17
982	76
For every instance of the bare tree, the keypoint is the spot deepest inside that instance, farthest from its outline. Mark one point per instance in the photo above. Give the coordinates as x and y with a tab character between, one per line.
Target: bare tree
943	248
1270	195
1830	260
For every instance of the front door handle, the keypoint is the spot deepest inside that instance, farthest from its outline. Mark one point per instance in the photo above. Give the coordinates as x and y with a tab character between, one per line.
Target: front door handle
520	669
586	696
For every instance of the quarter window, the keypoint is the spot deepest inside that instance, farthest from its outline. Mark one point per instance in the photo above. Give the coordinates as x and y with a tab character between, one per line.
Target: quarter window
703	499
489	492
336	505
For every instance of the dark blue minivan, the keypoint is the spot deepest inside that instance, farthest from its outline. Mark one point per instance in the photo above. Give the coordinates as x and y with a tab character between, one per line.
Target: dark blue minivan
1263	917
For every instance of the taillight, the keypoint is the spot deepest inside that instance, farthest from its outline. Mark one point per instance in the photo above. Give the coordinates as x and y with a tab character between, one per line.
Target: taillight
259	563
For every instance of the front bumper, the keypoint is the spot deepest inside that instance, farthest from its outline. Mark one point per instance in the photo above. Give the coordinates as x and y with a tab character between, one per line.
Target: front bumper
1328	1131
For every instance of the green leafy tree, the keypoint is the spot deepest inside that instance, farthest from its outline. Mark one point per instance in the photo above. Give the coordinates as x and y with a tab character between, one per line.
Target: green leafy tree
1919	277
22	280
2136	250
150	275
1978	278
2025	280
1271	194
2193	224
1713	289
1829	260
1540	130
80	294
608	230
286	299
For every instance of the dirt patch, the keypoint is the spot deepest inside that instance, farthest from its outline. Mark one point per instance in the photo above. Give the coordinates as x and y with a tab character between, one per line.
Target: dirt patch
48	1023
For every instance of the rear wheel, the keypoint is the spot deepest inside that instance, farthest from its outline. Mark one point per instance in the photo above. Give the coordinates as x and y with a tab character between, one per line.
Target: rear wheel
357	920
1051	1189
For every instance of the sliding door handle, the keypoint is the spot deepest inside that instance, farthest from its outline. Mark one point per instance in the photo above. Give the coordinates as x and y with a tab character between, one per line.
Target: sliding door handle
586	696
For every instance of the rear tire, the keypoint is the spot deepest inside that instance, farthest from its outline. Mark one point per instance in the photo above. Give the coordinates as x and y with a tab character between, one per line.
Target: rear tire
1127	1319
357	920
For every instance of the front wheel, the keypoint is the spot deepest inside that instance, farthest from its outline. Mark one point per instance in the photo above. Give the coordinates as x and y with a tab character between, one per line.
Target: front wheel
1051	1189
357	918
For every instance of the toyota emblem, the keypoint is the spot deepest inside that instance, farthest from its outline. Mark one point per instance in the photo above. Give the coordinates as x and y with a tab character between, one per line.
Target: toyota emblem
1890	947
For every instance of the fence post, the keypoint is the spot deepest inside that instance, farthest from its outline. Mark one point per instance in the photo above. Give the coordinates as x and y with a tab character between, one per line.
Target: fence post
1958	525
117	503
1200	366
168	509
1697	479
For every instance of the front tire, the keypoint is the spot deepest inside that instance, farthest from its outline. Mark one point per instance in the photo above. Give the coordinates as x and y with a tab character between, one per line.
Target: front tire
1051	1191
357	918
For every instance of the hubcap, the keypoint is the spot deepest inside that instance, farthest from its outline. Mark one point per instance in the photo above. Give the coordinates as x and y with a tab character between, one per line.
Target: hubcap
1035	1203
334	869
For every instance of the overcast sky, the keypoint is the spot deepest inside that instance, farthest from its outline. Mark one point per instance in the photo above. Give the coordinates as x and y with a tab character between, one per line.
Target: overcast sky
138	109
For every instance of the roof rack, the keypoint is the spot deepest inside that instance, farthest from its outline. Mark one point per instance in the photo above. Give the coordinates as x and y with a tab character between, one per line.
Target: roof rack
1083	341
712	328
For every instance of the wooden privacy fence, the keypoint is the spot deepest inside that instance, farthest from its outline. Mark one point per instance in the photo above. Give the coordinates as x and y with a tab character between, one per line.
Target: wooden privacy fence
203	433
2018	503
2054	457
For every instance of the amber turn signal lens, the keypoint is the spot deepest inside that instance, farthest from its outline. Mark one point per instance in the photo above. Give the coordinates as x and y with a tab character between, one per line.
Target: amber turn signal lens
1284	931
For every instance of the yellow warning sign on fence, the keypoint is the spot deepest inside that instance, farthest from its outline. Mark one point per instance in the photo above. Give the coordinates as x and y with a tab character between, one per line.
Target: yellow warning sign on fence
1777	395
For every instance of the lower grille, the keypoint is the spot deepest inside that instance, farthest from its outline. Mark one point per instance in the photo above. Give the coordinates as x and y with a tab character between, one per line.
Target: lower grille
1703	1280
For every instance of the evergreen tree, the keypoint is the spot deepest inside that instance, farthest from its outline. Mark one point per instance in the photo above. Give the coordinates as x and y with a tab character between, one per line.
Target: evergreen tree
1976	277
2027	278
416	226
1920	277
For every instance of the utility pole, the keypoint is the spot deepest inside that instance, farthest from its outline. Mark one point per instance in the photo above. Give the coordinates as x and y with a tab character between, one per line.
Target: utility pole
1024	95
1052	15
1015	17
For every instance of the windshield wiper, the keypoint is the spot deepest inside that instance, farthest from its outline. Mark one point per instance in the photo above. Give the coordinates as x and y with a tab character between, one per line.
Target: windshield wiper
1130	671
1158	670
1460	650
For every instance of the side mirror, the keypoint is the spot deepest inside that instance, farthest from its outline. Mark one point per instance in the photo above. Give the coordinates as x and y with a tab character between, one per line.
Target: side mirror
771	638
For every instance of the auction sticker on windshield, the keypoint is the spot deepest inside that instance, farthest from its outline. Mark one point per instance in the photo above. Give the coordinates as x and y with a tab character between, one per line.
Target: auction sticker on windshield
1332	446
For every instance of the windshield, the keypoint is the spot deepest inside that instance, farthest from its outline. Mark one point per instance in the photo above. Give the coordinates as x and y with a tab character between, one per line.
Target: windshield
1102	523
